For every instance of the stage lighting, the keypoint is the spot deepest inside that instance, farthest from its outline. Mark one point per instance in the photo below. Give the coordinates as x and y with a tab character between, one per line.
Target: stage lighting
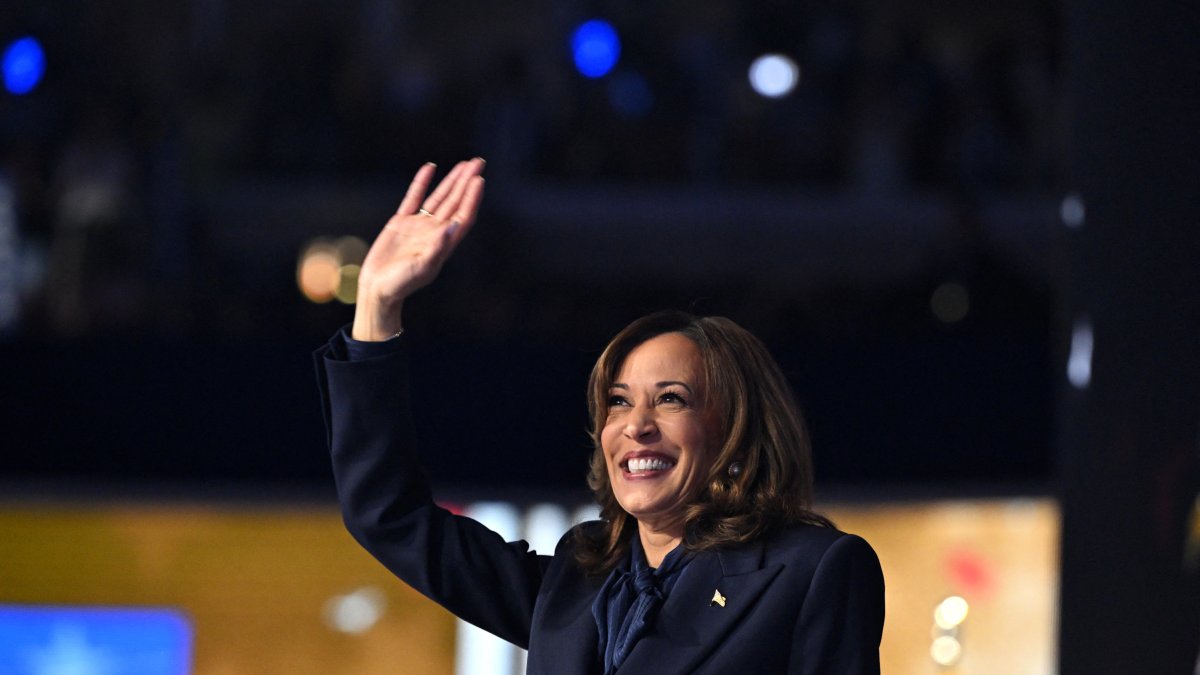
317	273
1071	211
596	48
356	612
946	650
951	612
1079	362
24	64
346	291
774	75
328	270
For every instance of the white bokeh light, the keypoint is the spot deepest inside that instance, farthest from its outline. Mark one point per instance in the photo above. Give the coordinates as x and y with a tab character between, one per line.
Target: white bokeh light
774	75
1072	211
946	650
951	612
1079	363
355	612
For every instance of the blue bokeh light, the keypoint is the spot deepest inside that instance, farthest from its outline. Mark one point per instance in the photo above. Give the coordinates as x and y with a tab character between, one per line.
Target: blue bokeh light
24	64
596	48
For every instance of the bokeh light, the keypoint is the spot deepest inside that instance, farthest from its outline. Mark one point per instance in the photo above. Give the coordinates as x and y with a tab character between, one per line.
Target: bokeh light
328	270
1079	363
595	47
356	612
347	284
1072	211
317	271
951	612
946	650
774	75
351	250
24	63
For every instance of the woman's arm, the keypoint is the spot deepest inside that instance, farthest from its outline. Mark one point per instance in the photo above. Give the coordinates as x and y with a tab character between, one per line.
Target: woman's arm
386	500
388	507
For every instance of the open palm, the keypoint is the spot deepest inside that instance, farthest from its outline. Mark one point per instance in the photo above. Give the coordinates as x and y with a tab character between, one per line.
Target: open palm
413	245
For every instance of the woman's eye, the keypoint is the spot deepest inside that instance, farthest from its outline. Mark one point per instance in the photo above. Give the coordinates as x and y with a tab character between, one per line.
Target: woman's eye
615	401
672	398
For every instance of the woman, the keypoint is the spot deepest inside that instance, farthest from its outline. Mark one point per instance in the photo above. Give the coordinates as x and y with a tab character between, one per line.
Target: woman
707	558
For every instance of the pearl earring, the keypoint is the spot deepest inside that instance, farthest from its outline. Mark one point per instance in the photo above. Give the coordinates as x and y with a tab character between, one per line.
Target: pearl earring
735	469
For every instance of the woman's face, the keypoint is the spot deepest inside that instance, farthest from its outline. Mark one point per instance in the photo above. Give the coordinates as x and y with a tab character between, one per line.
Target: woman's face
660	436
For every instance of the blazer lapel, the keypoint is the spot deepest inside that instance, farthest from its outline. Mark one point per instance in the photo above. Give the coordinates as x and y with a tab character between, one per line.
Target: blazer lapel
691	624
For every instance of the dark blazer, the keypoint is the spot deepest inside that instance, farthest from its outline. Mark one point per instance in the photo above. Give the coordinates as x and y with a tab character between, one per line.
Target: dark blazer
808	600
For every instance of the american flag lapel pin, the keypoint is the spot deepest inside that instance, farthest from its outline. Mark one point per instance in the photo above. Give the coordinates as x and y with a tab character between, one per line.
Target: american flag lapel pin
717	599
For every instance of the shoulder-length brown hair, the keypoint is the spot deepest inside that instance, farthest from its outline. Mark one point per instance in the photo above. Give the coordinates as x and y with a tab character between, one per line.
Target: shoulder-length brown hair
762	429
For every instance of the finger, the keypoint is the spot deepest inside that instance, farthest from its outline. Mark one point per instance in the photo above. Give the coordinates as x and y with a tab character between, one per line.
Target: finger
450	205
460	224
468	209
443	189
417	189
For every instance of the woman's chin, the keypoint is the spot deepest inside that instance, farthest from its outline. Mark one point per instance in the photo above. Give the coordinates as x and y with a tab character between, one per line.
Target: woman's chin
646	508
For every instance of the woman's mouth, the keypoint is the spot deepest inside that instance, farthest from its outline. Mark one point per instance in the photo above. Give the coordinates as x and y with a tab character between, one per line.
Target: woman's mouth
646	465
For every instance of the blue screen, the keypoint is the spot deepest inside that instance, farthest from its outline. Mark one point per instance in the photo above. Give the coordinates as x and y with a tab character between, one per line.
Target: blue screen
93	641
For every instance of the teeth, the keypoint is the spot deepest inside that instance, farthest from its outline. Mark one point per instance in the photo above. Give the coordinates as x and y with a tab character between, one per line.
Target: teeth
642	464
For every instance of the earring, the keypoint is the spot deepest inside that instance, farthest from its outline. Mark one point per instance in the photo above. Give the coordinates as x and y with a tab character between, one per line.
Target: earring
735	469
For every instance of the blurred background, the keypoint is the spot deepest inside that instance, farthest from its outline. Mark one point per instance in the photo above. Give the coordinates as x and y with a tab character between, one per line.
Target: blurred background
933	213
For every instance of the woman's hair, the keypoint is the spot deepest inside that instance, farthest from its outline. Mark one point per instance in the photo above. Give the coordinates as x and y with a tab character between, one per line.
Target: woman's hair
761	428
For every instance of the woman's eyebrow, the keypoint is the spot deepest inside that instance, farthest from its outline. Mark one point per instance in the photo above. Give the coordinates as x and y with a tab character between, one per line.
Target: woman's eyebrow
660	385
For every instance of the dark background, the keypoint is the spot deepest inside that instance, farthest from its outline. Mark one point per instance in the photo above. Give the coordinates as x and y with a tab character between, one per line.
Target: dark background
178	156
158	187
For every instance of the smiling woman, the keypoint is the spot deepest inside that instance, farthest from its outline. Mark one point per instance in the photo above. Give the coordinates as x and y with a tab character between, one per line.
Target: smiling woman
704	397
656	439
707	557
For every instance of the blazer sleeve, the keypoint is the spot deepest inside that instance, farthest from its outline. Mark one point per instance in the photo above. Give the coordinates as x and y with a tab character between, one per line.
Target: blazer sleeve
388	507
841	620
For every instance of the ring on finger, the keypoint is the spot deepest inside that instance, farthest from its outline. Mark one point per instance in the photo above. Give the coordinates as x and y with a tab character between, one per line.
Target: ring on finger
425	212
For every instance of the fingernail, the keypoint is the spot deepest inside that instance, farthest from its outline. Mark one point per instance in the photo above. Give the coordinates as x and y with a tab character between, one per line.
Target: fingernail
452	229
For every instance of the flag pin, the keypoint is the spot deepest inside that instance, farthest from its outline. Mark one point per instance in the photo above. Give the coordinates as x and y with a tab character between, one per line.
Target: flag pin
717	599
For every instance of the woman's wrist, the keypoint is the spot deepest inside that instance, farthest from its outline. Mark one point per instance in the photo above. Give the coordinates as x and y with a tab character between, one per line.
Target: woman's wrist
374	324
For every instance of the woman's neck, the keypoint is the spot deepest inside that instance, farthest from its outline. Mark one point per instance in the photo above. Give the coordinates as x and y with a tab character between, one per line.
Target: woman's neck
656	544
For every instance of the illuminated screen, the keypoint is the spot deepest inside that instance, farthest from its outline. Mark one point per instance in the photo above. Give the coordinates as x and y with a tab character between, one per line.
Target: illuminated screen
93	641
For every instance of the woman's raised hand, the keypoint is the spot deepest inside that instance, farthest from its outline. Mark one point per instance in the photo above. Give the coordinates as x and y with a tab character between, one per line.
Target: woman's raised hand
414	243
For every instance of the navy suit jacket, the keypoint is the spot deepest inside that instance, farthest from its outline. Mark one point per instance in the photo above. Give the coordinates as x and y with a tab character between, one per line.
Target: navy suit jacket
807	600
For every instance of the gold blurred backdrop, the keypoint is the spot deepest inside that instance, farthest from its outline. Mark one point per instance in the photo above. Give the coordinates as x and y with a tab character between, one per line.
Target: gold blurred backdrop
285	589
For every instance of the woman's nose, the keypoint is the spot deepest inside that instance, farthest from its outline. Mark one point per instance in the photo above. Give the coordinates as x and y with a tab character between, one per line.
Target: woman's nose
639	423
